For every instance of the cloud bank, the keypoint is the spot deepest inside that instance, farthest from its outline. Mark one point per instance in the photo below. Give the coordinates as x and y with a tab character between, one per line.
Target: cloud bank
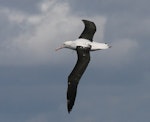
32	38
37	35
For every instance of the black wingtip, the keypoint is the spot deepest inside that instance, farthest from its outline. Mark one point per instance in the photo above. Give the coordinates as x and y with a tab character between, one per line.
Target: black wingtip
69	106
84	20
69	109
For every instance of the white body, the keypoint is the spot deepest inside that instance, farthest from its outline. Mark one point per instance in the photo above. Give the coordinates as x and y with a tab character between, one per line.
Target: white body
85	43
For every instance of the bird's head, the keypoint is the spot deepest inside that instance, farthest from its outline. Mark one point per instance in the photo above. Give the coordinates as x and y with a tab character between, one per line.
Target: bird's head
67	44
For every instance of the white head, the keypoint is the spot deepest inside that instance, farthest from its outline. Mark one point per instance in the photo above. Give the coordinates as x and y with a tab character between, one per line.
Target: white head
67	44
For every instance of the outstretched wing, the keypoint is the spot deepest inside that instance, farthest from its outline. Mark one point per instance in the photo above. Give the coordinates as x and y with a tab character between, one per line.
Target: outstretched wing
88	31
74	77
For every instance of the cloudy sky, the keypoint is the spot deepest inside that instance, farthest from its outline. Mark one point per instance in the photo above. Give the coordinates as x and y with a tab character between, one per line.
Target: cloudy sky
33	77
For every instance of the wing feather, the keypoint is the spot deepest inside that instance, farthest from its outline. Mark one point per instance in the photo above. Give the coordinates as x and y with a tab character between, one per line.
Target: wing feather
76	74
89	30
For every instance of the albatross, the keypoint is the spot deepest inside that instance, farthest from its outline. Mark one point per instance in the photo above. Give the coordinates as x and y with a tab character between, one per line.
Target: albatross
83	45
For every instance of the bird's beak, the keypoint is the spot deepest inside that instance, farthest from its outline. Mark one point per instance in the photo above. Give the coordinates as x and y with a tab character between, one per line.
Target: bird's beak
62	46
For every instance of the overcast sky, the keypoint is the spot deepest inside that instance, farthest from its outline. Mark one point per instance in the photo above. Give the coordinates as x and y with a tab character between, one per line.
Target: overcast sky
33	77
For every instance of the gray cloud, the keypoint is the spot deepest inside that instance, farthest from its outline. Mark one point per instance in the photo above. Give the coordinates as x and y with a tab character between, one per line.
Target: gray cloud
38	34
28	6
109	7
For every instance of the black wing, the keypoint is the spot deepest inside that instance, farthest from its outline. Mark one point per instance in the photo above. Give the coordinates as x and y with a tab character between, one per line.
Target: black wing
89	30
74	77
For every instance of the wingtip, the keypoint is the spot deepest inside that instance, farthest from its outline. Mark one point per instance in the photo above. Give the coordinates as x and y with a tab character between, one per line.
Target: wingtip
85	20
69	111
69	108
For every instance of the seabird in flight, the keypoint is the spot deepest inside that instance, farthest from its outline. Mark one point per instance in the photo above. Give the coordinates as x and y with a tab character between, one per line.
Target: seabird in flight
83	45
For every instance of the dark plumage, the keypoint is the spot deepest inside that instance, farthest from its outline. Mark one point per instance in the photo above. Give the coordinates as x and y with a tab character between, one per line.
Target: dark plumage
88	31
74	77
